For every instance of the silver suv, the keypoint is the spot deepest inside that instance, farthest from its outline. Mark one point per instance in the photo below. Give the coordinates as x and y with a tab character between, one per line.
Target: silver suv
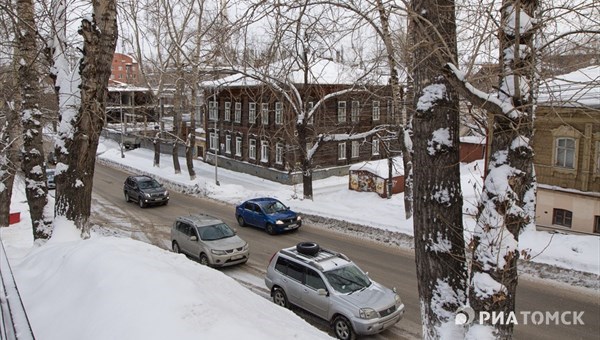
209	240
329	285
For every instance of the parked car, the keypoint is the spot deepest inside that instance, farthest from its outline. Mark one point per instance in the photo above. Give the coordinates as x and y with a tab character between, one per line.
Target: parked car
145	191
208	239
50	178
327	284
267	213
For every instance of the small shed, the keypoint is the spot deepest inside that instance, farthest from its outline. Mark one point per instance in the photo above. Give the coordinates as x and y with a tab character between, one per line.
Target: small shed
373	176
472	148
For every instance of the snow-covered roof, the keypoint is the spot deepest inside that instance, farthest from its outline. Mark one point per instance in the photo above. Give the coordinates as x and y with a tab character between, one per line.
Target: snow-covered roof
579	88
380	167
473	139
321	71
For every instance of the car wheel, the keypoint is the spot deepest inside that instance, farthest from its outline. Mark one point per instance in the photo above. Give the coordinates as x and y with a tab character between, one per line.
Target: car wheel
166	202
141	202
308	248
270	229
343	329
203	259
241	221
176	248
127	198
279	298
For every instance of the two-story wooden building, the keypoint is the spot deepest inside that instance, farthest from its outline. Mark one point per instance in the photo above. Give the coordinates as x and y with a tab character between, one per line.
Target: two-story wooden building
567	152
253	123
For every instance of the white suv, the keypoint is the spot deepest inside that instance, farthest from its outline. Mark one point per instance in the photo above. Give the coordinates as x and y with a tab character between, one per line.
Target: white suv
208	239
332	287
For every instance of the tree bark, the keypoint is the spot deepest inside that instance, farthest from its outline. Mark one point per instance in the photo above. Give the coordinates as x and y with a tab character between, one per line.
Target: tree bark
9	147
397	99
438	228
506	210
190	143
77	159
33	164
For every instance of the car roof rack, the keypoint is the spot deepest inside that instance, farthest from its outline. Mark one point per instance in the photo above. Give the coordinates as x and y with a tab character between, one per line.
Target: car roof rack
322	255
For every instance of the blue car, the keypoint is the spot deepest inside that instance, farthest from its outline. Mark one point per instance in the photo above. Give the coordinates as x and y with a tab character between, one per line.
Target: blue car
268	214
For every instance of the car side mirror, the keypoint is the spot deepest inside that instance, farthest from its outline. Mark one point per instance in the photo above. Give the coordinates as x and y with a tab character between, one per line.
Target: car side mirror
194	238
322	292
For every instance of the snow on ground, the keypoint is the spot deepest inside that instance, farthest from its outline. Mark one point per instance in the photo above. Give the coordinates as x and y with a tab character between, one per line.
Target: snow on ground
161	288
334	202
119	288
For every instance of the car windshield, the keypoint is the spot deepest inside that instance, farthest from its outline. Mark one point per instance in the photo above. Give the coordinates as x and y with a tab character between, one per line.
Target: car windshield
347	279
215	232
273	207
149	184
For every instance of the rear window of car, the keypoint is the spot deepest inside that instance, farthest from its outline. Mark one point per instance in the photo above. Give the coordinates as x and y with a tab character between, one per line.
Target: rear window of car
290	268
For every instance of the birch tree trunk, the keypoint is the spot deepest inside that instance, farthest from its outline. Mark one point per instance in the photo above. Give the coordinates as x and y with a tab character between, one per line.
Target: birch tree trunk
77	157
508	197
397	96
438	228
33	165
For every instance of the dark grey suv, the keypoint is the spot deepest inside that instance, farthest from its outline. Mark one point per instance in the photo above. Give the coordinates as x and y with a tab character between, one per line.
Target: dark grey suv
145	191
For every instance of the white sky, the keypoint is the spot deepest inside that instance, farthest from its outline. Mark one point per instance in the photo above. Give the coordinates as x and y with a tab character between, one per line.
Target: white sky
75	289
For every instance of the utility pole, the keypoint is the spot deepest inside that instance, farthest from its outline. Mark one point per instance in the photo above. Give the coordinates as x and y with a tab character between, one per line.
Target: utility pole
122	127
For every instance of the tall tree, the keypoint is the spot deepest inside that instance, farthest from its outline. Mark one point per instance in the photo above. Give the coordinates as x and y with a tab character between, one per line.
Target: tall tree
32	163
508	197
438	228
82	114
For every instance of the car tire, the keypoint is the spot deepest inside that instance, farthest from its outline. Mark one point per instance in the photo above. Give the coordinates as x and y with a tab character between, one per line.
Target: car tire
127	198
279	298
203	259
269	229
342	328
308	248
241	221
166	202
176	248
141	202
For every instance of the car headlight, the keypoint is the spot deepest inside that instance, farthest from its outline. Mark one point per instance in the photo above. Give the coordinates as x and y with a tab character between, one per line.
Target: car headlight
245	247
367	313
298	218
147	195
397	298
279	222
218	252
166	193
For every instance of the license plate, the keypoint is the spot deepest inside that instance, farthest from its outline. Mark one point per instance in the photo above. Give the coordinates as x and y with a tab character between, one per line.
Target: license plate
237	257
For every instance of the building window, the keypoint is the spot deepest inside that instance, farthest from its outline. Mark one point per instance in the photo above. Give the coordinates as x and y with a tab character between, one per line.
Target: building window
227	113
238	146
278	113
565	153
562	217
342	150
376	112
375	147
341	111
264	151
228	144
252	149
355	149
279	153
237	115
252	113
309	108
597	224
213	110
213	141
355	111
264	113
